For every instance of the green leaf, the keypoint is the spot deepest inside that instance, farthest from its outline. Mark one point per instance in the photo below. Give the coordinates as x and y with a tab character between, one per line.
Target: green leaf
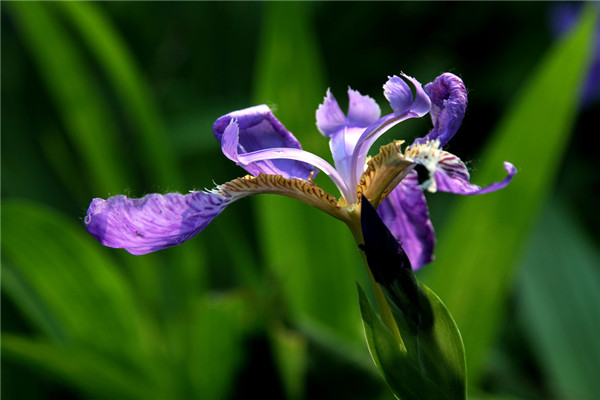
312	255
55	272
80	101
481	244
216	333
132	90
90	371
428	363
559	294
290	353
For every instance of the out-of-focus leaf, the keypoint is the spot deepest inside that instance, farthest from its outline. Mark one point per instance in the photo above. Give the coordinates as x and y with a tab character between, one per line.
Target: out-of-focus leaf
216	339
135	96
158	159
427	364
61	281
559	292
290	354
481	244
312	255
90	371
78	98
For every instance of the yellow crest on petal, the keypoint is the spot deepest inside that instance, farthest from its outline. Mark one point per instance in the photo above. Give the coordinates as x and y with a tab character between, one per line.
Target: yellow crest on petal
383	173
306	191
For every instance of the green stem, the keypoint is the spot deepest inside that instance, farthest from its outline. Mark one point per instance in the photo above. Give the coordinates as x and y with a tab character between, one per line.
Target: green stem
382	305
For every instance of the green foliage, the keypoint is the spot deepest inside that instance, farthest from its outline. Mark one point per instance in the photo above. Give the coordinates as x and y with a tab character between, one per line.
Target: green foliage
482	243
99	336
429	361
559	289
316	281
108	98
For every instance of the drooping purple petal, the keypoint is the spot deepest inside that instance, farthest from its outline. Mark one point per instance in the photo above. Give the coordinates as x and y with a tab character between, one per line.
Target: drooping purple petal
153	222
406	214
256	128
344	131
451	175
448	104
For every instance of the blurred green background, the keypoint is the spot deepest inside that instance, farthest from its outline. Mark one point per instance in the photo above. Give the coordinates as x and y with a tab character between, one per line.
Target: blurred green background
109	98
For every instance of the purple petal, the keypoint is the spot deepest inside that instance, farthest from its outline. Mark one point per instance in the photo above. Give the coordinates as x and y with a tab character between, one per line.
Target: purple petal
406	214
362	110
153	222
451	175
401	98
343	131
405	106
256	128
448	104
330	117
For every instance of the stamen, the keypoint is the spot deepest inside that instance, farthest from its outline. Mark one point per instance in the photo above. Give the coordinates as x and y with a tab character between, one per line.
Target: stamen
427	154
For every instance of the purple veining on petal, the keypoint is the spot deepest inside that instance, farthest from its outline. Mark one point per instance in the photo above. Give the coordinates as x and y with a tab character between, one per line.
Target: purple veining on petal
406	214
451	175
153	222
448	105
256	129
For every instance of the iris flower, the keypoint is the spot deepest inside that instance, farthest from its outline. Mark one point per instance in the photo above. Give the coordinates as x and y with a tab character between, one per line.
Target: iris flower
255	140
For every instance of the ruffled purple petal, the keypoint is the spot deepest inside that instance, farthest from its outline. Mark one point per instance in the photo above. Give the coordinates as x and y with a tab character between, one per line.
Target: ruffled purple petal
448	104
256	128
362	110
344	131
153	222
451	175
330	117
406	214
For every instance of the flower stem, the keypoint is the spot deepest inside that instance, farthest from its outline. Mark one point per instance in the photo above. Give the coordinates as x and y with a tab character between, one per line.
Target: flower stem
382	305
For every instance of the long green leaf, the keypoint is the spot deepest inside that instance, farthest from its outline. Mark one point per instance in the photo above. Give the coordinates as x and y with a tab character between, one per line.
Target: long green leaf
67	288
158	158
128	83
559	293
217	331
89	371
78	98
312	255
482	241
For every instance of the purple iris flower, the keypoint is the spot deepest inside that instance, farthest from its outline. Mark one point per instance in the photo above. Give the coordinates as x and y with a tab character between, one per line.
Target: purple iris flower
255	140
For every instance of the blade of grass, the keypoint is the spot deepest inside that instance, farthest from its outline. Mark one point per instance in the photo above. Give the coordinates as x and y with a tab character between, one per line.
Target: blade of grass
481	244
79	100
559	293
